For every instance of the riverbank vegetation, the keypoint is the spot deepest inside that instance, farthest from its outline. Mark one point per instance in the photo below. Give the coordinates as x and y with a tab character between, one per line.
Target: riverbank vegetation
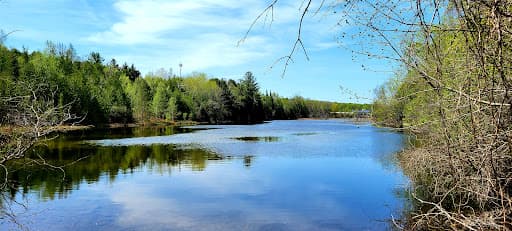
453	93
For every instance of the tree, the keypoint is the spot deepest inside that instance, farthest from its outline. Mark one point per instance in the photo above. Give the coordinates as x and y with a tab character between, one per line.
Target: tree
165	74
211	112
227	98
140	98
251	99
171	109
160	101
130	71
298	108
3	37
198	91
116	102
95	58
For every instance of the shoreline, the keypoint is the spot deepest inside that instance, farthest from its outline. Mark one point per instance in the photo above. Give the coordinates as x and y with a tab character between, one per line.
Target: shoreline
69	128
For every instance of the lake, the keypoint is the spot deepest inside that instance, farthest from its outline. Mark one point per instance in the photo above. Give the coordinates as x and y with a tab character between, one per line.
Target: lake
282	175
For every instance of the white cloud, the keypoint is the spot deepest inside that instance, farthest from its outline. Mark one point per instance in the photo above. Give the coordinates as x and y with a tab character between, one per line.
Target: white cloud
150	21
203	33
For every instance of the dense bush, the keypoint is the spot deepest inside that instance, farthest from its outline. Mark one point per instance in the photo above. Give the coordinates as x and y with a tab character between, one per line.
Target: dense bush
454	94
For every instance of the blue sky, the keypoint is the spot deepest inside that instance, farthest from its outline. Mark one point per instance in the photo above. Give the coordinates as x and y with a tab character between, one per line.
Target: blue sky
203	36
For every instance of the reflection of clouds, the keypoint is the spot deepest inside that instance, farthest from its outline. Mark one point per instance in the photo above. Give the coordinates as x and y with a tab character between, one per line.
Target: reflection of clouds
140	209
223	179
200	204
226	197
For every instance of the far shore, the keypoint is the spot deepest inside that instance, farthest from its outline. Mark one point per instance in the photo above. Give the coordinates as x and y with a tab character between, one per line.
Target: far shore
69	128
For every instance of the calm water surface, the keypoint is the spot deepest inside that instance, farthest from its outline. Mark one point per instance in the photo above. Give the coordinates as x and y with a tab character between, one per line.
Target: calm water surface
284	175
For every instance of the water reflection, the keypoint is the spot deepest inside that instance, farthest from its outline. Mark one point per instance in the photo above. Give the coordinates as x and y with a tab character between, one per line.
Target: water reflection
318	175
125	132
248	161
95	162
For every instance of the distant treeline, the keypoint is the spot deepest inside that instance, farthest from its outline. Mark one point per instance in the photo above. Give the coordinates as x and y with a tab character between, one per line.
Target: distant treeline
106	92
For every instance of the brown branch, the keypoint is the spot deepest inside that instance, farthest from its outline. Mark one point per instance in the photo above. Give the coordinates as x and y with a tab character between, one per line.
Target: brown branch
270	8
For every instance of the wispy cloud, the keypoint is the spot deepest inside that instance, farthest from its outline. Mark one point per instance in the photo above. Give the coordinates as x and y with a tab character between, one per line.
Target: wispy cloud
146	21
202	34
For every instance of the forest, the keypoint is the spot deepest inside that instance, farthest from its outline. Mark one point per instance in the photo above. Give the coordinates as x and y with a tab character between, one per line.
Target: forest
94	92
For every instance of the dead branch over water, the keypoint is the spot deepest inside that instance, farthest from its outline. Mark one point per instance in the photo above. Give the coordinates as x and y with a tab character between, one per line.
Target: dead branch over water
29	117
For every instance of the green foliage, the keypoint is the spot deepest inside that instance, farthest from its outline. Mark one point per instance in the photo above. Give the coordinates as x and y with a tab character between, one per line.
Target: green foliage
388	106
160	101
140	96
172	109
453	93
110	93
250	98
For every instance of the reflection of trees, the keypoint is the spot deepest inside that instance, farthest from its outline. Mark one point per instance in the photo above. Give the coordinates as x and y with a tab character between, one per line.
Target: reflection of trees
97	162
123	132
248	161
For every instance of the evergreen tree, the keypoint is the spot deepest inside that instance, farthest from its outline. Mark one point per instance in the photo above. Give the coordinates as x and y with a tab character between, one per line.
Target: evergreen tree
251	99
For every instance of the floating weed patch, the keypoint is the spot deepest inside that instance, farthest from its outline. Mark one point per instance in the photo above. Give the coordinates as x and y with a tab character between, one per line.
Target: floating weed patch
258	138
